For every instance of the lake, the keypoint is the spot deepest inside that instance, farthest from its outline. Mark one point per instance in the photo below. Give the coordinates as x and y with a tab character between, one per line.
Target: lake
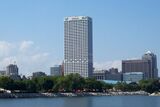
104	101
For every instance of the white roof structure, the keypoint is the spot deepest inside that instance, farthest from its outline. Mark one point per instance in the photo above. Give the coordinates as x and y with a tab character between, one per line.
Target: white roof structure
148	52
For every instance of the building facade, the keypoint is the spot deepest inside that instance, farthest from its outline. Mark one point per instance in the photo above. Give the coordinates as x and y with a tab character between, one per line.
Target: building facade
133	76
113	70
153	64
38	74
115	77
99	74
129	66
113	74
147	65
78	55
56	70
11	70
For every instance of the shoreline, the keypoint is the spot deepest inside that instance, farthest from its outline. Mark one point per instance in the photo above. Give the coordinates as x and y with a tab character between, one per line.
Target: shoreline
82	94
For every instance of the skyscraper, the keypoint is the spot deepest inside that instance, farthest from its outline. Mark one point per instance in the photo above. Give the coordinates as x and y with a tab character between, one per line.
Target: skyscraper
78	56
153	60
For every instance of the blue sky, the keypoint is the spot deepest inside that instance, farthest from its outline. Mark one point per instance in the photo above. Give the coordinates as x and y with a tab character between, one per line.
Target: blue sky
122	29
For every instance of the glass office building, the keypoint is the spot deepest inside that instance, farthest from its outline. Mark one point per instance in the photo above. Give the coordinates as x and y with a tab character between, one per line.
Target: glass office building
133	76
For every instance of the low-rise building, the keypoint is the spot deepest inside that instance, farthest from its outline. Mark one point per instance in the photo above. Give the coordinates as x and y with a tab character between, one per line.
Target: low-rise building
133	76
2	73
115	77
113	70
99	74
56	70
111	74
38	74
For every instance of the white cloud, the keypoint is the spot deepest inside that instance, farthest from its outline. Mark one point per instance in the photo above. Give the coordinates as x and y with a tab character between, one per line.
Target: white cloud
25	46
28	57
39	56
108	64
5	48
7	60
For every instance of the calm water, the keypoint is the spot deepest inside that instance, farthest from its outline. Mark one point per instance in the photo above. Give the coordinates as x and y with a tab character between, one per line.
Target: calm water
115	101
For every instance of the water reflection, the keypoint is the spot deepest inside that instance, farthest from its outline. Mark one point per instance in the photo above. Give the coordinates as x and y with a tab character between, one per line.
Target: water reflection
106	101
78	102
140	101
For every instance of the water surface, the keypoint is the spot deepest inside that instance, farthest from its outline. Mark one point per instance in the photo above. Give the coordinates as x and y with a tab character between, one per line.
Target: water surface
109	101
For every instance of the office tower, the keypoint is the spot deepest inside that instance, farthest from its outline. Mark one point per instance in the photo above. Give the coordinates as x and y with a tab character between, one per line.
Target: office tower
12	70
138	65
153	60
147	65
78	46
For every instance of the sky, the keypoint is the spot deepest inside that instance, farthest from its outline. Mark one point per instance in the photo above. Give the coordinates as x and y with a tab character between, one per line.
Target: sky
32	31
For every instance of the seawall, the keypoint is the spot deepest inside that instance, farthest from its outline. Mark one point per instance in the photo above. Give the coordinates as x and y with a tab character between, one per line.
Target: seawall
52	95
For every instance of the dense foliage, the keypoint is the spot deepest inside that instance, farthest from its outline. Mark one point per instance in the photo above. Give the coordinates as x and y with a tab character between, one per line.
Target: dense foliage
70	83
73	83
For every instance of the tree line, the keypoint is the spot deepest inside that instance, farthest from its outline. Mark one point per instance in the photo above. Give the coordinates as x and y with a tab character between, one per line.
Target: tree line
73	83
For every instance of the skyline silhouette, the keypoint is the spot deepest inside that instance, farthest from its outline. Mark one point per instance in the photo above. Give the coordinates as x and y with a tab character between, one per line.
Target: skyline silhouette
32	32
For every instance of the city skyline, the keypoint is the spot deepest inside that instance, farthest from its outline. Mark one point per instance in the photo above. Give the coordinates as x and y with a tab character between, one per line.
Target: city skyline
31	32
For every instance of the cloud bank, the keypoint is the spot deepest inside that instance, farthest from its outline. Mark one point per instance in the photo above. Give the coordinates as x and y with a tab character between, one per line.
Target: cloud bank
108	64
30	58
27	55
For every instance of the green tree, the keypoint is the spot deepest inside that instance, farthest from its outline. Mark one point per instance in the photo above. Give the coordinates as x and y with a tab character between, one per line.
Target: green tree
7	83
31	86
121	86
133	86
150	85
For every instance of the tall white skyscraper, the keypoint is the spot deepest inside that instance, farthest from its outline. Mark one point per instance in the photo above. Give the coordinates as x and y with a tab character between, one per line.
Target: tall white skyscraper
78	54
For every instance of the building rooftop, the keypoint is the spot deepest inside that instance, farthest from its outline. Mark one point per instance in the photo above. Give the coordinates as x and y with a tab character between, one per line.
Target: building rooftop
77	18
148	52
137	73
135	60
